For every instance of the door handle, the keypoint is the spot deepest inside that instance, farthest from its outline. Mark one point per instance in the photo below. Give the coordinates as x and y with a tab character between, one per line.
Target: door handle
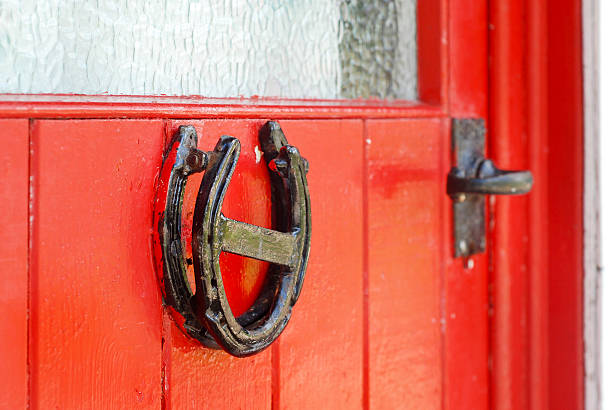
489	180
472	177
206	313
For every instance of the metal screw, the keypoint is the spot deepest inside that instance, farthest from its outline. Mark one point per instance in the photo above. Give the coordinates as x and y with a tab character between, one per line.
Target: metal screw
196	160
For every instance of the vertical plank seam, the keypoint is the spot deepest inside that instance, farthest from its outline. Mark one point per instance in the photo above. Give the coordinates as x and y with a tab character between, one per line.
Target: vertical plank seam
366	261
166	360
163	404
489	221
275	379
275	375
444	136
165	331
30	221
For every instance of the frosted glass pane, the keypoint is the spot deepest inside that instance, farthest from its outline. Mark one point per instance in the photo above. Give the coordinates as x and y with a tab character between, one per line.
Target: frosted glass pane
215	48
378	49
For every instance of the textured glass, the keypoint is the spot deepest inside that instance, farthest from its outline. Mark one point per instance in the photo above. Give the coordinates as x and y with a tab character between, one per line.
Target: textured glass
215	48
378	49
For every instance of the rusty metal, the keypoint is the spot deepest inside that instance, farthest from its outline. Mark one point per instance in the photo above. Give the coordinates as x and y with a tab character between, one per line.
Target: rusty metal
472	177
207	314
189	160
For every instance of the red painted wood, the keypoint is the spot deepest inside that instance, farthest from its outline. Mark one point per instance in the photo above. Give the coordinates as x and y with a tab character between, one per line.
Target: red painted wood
320	354
509	233
403	263
464	309
535	117
432	49
14	256
411	329
95	319
565	210
197	377
100	106
465	281
538	271
467	58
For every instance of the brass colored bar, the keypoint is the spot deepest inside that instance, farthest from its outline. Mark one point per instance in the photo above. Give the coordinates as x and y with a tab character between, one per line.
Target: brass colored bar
258	243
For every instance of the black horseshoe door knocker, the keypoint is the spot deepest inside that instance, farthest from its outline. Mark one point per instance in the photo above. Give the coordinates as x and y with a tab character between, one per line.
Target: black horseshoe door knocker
206	312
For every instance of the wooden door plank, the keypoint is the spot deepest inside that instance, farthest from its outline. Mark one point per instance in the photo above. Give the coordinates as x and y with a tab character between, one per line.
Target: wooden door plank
465	282
536	106
510	361
565	205
320	354
198	377
467	58
14	257
465	309
403	270
96	307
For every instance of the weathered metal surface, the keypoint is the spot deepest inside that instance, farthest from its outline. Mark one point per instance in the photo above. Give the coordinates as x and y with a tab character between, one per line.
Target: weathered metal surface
257	242
491	180
177	291
266	319
472	177
207	313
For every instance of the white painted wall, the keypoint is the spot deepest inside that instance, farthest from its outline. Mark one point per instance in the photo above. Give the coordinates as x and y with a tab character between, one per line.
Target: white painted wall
605	78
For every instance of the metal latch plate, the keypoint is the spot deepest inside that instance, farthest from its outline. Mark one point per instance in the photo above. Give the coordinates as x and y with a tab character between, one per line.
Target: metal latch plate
468	141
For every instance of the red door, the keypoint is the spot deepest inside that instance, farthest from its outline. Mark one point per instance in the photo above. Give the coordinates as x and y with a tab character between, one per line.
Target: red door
387	318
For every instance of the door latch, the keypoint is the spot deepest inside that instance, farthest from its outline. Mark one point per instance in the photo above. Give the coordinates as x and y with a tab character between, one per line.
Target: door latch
470	179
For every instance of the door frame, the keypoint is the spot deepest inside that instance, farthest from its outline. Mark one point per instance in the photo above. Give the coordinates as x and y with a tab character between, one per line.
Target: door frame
544	346
539	45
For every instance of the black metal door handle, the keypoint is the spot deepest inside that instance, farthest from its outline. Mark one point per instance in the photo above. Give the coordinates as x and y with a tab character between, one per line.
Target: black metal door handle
489	180
472	177
207	314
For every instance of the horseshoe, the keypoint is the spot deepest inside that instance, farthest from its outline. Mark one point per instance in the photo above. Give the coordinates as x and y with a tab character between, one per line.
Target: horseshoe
207	315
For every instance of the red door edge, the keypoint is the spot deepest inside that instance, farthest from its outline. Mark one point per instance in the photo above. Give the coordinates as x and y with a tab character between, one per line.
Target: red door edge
536	119
565	205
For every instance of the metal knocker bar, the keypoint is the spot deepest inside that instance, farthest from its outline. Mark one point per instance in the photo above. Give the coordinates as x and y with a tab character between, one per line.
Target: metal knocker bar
207	314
